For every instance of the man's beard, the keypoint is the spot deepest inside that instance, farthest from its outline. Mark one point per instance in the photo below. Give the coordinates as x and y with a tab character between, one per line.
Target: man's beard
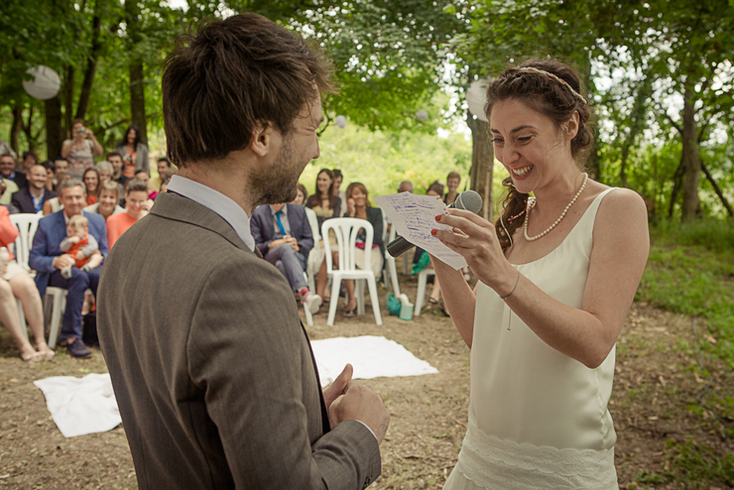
278	183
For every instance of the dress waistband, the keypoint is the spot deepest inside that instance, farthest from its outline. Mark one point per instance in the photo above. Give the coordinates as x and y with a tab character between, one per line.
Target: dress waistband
495	463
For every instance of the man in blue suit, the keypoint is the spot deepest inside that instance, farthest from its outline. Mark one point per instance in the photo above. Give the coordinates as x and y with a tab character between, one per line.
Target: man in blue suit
283	235
47	259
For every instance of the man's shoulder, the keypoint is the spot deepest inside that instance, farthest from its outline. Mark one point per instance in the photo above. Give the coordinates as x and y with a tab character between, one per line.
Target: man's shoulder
24	192
93	218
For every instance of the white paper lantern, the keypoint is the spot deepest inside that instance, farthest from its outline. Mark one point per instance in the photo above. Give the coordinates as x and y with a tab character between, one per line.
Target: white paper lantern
476	96
421	115
341	122
46	83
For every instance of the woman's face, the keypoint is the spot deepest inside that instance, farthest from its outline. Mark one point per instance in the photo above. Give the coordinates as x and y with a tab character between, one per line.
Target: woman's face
131	136
76	131
299	197
104	175
107	200
360	198
134	202
91	182
323	181
529	144
453	184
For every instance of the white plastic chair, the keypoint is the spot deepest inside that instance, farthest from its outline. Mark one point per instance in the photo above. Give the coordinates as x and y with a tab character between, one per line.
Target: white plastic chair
27	225
346	231
421	295
316	257
391	269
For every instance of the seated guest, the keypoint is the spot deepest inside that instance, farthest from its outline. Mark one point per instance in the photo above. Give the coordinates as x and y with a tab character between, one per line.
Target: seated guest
405	186
163	167
283	235
50	175
358	206
53	205
109	197
30	199
47	259
143	175
7	173
104	170
115	159
16	283
81	245
338	178
136	196
21	174
91	183
324	203
61	168
421	260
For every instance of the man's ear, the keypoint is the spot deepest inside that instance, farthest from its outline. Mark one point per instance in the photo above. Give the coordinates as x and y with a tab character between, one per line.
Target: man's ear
264	138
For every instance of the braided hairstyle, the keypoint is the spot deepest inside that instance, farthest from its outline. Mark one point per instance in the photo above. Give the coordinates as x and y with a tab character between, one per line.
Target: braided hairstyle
551	97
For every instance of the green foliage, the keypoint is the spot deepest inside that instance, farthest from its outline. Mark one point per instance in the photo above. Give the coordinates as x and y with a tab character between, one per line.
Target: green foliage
382	160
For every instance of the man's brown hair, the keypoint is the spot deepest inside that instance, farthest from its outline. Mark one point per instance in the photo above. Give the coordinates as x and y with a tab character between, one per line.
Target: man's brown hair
234	75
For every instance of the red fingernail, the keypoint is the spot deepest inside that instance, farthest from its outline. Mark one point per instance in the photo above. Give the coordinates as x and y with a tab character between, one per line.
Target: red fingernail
433	232
438	218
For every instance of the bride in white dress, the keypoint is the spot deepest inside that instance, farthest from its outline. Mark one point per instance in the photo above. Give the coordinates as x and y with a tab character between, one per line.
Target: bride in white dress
558	273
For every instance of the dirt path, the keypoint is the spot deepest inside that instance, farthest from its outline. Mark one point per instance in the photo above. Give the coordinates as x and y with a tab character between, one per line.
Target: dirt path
654	401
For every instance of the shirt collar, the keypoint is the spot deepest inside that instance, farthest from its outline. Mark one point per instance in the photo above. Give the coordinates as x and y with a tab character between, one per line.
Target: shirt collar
284	209
225	207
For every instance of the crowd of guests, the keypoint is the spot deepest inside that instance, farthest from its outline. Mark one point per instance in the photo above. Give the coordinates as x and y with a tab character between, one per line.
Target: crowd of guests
284	237
88	204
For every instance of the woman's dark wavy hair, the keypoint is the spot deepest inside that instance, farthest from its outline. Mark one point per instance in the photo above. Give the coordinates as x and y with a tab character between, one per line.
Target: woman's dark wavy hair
137	136
550	98
314	200
232	76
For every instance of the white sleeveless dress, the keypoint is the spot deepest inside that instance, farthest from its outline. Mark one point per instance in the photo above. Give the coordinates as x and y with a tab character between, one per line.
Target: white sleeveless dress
538	419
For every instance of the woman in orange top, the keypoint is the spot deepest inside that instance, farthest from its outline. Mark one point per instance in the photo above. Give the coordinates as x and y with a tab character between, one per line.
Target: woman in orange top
16	283
136	196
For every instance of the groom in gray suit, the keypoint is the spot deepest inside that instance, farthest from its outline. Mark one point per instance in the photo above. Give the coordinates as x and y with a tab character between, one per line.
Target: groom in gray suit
211	367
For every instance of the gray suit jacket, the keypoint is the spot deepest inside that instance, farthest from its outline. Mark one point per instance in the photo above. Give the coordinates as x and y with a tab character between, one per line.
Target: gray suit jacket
212	371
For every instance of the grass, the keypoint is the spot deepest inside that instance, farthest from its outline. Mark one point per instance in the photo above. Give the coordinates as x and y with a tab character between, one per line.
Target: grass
691	271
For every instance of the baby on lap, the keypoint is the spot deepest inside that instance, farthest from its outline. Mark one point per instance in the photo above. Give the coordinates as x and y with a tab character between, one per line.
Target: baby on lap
81	245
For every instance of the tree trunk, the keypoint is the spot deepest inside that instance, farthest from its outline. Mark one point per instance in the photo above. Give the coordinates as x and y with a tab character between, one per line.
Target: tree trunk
137	99
135	63
16	128
677	184
482	163
721	195
68	97
690	156
86	92
637	123
28	130
54	129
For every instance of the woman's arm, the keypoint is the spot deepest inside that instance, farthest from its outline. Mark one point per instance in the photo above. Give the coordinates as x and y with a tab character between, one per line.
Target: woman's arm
66	148
620	248
458	297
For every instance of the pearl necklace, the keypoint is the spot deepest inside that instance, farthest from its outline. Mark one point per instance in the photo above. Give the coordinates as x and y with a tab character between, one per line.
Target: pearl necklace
531	203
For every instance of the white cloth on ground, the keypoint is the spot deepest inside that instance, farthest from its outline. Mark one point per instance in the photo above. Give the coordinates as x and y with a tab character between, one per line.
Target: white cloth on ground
371	357
81	405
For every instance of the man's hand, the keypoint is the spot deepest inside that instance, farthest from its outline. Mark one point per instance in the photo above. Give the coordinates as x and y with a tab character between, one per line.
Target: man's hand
63	261
360	403
338	387
292	242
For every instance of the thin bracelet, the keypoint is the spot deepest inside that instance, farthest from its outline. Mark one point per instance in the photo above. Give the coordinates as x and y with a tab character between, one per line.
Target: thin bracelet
513	289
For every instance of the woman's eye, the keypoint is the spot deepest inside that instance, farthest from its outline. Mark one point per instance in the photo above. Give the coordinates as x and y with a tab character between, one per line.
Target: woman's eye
497	141
525	139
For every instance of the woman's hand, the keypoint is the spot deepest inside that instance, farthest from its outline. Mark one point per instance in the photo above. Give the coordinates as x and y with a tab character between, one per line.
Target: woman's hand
475	239
351	210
